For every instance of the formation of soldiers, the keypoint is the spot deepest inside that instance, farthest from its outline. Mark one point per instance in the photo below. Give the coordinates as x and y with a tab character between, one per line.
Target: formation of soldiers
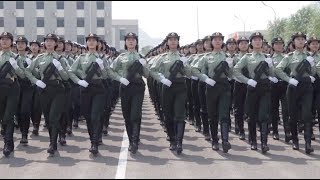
206	81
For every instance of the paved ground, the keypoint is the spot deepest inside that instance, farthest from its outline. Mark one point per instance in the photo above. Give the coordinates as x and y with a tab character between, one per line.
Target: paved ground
154	160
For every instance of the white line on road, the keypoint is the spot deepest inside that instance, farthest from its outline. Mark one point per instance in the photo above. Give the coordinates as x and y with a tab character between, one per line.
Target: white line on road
122	163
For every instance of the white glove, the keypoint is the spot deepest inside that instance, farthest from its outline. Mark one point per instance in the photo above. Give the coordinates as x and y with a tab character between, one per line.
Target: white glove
83	83
29	61
312	79
194	78
13	63
161	76
41	84
124	81
100	63
269	61
143	61
236	79
230	62
166	82
184	60
293	81
310	60
205	76
210	81
273	79
57	64
252	83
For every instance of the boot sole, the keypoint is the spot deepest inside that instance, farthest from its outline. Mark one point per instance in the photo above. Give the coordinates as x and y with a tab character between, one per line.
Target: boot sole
226	147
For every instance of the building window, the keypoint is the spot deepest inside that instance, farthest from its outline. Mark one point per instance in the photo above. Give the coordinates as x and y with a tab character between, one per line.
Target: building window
80	39
60	4
19	4
122	34
40	5
1	22
40	38
40	21
1	4
100	4
100	22
20	22
80	4
60	22
80	22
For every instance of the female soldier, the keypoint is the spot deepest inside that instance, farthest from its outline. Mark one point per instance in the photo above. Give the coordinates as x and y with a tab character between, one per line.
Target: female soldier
88	71
36	110
24	110
189	102
52	89
218	90
172	68
10	89
258	92
240	91
131	66
300	89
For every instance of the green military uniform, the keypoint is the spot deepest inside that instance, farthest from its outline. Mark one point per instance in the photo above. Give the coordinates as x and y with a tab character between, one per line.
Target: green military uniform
130	66
189	102
258	93
93	90
300	91
52	93
10	90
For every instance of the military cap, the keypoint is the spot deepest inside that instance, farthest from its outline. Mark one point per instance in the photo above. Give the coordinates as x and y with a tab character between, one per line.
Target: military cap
34	42
298	34
60	39
7	35
42	44
207	38
68	42
313	38
242	39
131	35
91	35
14	44
199	41
217	34
276	39
255	34
51	36
22	39
231	40
172	35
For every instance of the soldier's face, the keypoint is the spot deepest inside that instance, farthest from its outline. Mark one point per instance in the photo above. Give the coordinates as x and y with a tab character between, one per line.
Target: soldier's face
299	42
243	45
186	50
5	42
131	43
232	46
314	46
192	50
21	46
207	44
68	47
278	47
257	42
199	47
74	49
60	46
217	42
173	43
34	48
50	44
92	43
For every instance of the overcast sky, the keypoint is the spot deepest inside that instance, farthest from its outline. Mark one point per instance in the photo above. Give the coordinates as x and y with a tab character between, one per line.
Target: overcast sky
158	18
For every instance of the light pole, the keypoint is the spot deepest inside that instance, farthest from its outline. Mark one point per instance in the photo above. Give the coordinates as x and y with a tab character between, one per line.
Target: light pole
197	21
244	24
275	17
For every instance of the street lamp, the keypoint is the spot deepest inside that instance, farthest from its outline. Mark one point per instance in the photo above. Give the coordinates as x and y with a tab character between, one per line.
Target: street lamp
244	24
275	17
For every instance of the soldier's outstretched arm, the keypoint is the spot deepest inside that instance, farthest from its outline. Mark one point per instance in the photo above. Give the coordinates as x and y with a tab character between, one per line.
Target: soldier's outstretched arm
279	70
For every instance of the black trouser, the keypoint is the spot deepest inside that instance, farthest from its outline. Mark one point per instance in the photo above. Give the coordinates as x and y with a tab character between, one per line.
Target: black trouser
239	92
174	98
36	110
258	106
159	100
66	118
131	104
107	110
92	106
53	104
24	108
189	100
75	102
278	93
9	99
115	96
203	104
316	99
218	102
300	95
196	102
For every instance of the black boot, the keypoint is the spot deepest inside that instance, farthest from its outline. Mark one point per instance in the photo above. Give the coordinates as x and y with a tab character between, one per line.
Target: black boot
35	130
24	139
7	149
94	148
75	123
308	137
53	134
214	135
252	134
264	137
180	126
62	139
135	138
69	130
171	134
8	140
205	122
226	146
294	135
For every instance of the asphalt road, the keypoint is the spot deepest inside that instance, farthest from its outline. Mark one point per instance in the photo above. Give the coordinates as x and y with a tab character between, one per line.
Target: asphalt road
154	159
